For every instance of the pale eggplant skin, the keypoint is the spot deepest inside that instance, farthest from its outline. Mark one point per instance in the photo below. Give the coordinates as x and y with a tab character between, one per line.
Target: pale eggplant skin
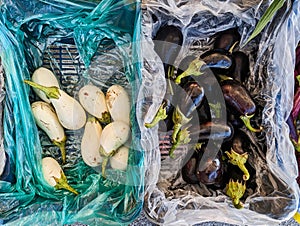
90	143
119	160
118	103
51	169
45	77
69	111
54	175
93	101
113	136
46	119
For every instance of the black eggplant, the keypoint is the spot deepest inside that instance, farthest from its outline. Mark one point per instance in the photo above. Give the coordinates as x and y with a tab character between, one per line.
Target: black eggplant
190	98
213	169
239	101
241	68
188	171
210	130
216	60
226	39
167	44
7	174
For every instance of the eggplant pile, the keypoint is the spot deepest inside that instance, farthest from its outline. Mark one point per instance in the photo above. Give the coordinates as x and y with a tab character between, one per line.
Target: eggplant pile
103	117
208	108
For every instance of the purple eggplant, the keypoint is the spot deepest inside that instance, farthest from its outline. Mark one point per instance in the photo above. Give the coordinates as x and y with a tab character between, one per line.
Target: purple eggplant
239	101
210	130
213	169
217	59
226	39
188	171
241	68
167	44
190	98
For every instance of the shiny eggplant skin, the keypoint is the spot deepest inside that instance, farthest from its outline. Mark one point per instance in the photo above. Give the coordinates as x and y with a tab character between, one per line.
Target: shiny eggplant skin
213	173
217	60
210	130
237	143
188	171
7	174
190	97
241	68
167	44
237	97
226	39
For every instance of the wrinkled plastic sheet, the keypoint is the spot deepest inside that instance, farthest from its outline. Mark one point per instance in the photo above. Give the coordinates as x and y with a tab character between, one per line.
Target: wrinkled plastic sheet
81	42
168	199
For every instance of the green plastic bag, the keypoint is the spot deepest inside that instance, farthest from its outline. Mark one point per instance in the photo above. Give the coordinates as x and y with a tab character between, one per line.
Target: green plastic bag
81	42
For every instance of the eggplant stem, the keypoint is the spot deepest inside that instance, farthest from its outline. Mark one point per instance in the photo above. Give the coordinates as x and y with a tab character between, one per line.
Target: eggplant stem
51	92
216	108
62	147
224	78
160	115
236	190
104	164
193	69
239	160
296	144
183	137
232	47
171	70
105	118
246	121
179	120
298	79
62	183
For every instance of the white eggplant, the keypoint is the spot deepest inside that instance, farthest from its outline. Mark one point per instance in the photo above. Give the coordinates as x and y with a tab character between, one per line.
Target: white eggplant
44	77
54	175
90	143
46	118
93	101
113	136
118	103
120	159
69	111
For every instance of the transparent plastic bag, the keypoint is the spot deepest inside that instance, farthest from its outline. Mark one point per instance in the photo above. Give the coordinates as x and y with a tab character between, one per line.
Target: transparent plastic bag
81	42
274	198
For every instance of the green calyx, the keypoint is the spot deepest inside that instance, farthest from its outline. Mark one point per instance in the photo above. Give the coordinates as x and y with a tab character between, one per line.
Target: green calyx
62	183
246	121
62	146
235	190
105	159
51	92
160	115
183	137
179	120
216	108
239	160
193	69
105	118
